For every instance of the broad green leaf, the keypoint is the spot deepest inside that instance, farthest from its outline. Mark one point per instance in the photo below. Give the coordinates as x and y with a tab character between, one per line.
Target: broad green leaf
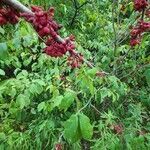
2	136
104	93
22	74
41	106
85	127
54	90
114	81
91	87
71	129
42	83
27	61
16	63
82	1
27	40
22	101
35	88
16	43
87	83
92	72
2	31
68	99
57	101
3	51
2	72
13	92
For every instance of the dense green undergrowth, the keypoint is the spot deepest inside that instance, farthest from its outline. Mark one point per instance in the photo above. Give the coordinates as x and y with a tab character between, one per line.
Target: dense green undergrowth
43	102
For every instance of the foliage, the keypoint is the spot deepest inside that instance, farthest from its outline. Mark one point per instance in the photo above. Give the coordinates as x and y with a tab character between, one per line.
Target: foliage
44	102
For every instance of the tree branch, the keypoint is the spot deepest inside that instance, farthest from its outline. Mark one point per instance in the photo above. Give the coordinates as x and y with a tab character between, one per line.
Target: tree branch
18	6
77	9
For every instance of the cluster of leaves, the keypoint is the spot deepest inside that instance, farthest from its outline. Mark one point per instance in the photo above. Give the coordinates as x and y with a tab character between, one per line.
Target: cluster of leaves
44	104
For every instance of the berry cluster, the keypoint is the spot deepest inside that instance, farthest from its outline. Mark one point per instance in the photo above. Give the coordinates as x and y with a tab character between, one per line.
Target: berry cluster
8	15
47	28
142	26
140	4
75	61
43	21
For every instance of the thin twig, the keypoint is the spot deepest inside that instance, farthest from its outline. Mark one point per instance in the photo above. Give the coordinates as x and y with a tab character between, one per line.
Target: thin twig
77	8
136	69
95	108
84	106
143	13
114	29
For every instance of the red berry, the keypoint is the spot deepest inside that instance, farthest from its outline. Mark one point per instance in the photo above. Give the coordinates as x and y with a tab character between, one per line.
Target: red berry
3	21
134	42
139	5
135	32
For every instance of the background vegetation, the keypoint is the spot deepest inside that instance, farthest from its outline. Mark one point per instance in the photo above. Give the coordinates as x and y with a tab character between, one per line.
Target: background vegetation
44	104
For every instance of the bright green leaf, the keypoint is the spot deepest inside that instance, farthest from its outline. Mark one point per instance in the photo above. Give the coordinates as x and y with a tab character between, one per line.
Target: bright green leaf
41	106
68	99
3	51
2	72
85	127
2	31
71	129
22	101
57	101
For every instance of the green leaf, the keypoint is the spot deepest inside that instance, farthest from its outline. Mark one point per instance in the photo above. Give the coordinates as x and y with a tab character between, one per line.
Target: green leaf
22	101
27	61
3	51
147	75
2	136
35	88
41	106
16	42
87	83
68	99
104	93
92	72
57	101
2	31
71	129
2	72
85	127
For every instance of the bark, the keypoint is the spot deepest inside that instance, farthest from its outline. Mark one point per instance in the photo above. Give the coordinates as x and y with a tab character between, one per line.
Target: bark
18	6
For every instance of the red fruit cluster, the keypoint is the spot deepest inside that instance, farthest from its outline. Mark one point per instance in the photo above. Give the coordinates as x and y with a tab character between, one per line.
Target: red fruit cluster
117	128
75	61
142	26
47	28
136	32
8	15
139	5
54	48
43	21
58	146
147	13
